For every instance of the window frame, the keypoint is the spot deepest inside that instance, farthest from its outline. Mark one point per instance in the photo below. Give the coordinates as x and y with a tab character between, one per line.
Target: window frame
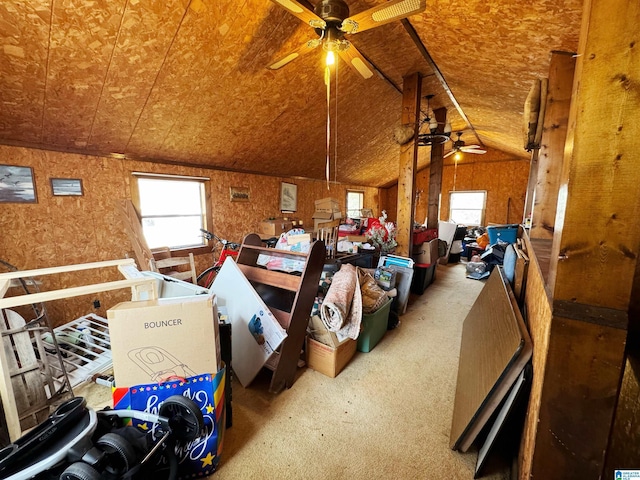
346	202
483	210
208	218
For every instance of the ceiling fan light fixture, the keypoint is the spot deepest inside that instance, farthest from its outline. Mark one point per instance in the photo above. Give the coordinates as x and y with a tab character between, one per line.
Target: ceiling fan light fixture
330	59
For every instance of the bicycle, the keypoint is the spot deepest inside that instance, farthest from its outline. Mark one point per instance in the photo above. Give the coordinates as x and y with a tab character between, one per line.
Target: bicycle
229	249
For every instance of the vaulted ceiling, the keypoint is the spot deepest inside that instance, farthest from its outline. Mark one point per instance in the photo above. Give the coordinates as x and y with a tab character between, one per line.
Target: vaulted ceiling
185	81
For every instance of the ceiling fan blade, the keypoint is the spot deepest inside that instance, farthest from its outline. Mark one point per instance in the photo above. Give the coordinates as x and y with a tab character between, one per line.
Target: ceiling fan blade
290	57
449	154
356	61
473	150
385	13
303	13
472	146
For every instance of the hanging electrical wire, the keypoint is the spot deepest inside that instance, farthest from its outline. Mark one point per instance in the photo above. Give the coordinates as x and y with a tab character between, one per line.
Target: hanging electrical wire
327	81
335	135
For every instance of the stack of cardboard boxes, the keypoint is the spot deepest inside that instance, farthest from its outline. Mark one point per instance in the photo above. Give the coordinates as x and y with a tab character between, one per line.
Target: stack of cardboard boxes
326	209
273	227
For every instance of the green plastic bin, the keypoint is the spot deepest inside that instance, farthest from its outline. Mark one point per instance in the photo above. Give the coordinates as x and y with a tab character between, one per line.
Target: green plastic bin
374	326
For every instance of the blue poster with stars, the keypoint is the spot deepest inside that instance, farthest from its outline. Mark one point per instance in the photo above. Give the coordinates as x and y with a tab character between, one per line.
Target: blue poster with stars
201	456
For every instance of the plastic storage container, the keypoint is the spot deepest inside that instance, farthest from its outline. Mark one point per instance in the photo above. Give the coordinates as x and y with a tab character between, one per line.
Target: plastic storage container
374	326
423	276
504	233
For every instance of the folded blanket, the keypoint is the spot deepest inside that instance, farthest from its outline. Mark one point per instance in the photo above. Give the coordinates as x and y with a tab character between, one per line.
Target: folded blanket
341	310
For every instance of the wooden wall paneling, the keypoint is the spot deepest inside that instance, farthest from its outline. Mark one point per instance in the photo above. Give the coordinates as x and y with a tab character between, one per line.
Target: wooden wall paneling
538	316
147	30
88	228
554	135
82	42
580	385
595	249
411	97
624	450
23	69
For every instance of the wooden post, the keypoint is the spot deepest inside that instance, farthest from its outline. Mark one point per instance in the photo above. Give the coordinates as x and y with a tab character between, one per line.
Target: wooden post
554	135
531	185
435	172
411	89
595	249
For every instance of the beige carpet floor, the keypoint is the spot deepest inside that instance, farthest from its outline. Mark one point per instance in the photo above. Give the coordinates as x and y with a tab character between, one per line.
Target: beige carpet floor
386	415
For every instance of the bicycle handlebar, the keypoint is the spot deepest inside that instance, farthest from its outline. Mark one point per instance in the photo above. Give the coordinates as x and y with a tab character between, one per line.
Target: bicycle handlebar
225	243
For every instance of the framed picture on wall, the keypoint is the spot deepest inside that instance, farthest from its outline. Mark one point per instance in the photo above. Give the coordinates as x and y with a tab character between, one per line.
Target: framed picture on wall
17	185
288	197
67	186
239	194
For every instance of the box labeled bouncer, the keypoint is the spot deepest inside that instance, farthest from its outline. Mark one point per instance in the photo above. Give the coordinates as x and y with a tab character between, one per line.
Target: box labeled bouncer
153	340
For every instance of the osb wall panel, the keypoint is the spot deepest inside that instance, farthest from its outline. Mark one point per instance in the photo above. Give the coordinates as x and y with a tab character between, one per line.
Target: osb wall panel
538	316
503	177
70	230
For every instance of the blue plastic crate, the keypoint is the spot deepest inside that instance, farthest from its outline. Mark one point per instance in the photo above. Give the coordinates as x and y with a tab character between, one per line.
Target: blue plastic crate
504	233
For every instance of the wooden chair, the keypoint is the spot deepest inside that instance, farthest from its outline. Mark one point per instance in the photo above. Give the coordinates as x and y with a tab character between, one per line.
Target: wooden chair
166	265
328	233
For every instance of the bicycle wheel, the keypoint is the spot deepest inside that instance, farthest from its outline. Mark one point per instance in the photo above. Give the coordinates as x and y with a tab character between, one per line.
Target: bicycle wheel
205	279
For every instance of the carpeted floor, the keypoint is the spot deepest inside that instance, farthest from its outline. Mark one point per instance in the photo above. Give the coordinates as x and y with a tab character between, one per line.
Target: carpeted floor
386	415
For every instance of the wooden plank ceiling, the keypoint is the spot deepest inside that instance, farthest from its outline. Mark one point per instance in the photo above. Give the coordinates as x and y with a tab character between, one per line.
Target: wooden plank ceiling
186	80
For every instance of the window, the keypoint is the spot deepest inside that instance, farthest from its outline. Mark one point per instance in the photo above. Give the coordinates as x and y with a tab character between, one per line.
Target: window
355	202
467	208
173	210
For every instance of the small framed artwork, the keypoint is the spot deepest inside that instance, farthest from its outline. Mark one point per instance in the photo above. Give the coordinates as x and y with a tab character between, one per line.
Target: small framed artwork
239	194
67	186
17	185
288	197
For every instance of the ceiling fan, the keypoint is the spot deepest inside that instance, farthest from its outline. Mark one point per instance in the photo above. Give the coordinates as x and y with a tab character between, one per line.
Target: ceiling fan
331	21
460	147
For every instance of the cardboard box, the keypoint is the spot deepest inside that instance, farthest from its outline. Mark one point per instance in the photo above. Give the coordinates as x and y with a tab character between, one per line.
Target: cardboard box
275	227
327	205
355	238
323	217
329	360
427	253
154	339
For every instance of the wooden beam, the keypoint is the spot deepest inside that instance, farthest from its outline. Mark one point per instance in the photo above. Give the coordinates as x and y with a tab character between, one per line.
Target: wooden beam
427	56
412	86
595	250
554	135
531	185
435	173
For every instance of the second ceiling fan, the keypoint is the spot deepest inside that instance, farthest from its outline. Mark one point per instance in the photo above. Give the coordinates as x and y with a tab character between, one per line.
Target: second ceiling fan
331	21
459	146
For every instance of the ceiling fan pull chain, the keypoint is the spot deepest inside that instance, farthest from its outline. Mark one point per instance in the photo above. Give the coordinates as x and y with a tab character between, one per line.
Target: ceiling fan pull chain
327	81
